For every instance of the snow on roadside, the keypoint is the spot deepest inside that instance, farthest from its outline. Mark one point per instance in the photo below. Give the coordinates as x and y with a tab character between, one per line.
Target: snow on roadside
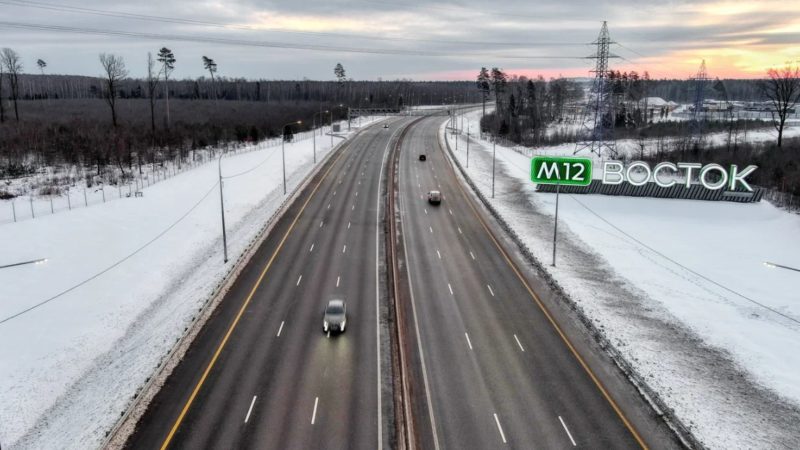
639	268
69	367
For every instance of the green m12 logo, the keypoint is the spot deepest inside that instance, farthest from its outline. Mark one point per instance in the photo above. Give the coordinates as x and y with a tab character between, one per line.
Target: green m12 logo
561	170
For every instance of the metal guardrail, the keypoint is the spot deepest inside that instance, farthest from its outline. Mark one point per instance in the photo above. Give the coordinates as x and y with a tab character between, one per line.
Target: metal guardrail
679	191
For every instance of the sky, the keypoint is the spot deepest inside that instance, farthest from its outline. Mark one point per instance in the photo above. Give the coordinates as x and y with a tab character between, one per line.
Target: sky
419	40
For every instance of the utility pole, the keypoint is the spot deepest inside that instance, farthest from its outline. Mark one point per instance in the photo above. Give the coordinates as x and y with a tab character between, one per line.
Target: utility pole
222	209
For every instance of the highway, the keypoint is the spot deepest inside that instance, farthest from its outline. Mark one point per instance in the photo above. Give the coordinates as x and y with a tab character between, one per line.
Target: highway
493	370
261	373
488	365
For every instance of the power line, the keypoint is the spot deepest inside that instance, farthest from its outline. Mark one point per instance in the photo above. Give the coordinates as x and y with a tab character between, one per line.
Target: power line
755	302
271	44
97	275
155	18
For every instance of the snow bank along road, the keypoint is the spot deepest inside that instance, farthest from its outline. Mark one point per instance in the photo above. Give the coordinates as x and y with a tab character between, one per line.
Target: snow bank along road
496	363
261	373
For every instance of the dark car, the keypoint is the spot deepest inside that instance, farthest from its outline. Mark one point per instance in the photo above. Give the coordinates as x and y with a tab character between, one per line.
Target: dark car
386	125
422	157
335	317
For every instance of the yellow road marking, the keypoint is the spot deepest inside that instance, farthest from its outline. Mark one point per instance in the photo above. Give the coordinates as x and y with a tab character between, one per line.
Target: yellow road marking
235	322
550	318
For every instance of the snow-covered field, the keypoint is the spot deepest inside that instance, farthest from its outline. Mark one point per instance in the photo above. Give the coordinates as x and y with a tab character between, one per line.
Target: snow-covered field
82	331
680	288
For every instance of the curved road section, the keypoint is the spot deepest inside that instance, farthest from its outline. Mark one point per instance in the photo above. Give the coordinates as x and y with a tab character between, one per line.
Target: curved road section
262	373
495	370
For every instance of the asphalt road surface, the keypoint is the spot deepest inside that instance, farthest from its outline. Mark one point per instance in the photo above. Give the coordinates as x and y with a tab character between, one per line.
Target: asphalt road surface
496	372
262	374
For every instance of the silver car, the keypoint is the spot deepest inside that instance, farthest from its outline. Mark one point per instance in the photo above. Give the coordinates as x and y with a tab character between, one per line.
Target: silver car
335	317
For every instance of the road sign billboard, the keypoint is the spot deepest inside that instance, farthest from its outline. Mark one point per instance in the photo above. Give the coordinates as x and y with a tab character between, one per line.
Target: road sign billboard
561	170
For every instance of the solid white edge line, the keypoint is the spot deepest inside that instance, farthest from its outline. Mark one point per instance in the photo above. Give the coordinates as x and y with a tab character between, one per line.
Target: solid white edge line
314	414
419	337
519	343
250	410
500	428
468	341
567	430
280	329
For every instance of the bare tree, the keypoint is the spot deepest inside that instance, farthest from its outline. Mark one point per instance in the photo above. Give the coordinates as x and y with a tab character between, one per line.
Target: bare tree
211	67
152	85
167	59
115	71
11	61
782	89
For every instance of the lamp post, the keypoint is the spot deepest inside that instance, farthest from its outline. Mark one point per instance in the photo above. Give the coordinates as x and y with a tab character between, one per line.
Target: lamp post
331	133
467	142
314	133
283	151
494	150
772	265
222	210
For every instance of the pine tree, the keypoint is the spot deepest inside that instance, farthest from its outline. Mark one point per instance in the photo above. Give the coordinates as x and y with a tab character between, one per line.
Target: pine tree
484	87
167	60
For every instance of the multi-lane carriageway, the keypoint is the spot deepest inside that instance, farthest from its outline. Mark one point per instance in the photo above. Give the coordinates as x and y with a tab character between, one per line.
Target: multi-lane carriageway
488	359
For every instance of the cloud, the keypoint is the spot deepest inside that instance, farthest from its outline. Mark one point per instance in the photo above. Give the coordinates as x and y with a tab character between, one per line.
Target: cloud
668	38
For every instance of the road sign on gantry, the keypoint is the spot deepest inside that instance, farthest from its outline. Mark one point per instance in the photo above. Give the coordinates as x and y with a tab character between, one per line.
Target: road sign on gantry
561	170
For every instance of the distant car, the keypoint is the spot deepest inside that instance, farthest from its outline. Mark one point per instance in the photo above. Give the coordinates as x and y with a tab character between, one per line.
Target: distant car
386	125
422	157
434	197
335	317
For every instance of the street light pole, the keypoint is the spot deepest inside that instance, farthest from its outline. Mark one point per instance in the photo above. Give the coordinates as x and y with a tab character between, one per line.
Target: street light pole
555	227
494	150
283	151
222	210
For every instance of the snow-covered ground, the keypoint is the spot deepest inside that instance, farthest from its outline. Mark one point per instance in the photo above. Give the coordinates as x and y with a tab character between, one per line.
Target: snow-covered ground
82	331
680	288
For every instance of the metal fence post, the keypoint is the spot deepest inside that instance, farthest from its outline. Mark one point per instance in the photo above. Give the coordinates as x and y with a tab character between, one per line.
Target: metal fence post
103	190
85	200
33	214
51	205
14	210
69	202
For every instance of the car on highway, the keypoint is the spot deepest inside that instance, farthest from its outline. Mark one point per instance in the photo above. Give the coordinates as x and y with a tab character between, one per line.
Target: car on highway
434	197
422	157
335	316
386	125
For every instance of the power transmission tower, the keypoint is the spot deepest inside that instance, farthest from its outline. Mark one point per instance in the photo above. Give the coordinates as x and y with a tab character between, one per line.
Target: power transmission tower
700	82
598	116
